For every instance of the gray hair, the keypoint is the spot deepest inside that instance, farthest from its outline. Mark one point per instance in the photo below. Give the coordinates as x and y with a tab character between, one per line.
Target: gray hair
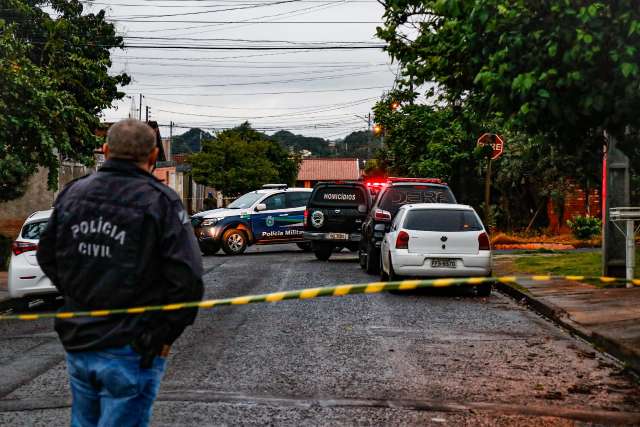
131	139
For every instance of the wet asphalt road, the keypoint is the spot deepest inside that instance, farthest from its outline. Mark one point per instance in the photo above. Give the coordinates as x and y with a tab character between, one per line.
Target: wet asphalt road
445	358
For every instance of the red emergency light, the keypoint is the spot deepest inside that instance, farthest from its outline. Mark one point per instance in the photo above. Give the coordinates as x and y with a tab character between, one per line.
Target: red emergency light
424	180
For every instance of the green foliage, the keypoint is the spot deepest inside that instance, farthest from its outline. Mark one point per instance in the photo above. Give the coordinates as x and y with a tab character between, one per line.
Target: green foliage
360	144
562	69
54	82
190	141
240	160
317	146
585	227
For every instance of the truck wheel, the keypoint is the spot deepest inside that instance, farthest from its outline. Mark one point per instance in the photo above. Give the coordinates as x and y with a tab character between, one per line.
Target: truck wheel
234	242
210	250
483	290
384	277
373	260
393	277
362	258
305	246
322	251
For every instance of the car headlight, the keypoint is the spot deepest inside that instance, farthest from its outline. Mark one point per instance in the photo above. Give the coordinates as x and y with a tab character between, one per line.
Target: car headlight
208	222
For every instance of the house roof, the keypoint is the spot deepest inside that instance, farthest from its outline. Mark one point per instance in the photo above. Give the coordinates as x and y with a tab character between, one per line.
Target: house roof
328	169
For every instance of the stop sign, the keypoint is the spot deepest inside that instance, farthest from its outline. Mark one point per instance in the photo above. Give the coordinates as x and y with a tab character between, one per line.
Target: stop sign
496	142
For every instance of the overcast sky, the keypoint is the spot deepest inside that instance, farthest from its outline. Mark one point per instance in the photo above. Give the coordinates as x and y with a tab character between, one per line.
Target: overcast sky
310	92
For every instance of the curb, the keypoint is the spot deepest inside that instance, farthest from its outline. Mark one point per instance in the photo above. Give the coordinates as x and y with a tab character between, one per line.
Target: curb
616	349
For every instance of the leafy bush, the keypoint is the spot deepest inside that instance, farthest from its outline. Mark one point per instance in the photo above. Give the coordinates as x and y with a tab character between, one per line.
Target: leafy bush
5	252
585	227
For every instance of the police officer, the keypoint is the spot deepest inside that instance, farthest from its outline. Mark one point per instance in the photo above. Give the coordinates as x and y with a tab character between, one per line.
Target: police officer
120	238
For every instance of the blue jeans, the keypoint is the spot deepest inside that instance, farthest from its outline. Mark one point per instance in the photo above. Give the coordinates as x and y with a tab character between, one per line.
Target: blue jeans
110	389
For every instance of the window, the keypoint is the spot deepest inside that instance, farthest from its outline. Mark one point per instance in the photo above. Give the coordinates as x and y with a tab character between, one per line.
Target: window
396	221
33	230
396	196
277	201
245	201
297	199
340	196
445	220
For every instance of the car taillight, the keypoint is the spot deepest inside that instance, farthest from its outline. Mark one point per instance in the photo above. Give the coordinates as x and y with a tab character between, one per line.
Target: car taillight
402	241
306	217
381	215
18	247
483	242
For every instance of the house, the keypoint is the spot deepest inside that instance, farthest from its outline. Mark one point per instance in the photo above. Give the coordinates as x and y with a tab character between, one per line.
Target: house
178	177
315	169
39	197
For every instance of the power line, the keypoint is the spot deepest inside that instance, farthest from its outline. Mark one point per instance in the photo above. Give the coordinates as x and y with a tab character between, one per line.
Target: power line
247	40
220	3
237	75
265	93
277	16
269	82
244	22
210	11
186	47
230	107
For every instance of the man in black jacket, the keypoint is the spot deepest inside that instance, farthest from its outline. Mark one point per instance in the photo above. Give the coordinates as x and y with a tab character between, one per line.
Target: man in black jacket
120	238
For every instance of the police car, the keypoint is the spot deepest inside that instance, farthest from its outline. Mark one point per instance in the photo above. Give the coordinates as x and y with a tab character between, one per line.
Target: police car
271	215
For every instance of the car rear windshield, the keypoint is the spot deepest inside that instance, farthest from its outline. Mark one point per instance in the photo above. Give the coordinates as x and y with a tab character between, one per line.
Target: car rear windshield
450	220
400	195
339	196
33	230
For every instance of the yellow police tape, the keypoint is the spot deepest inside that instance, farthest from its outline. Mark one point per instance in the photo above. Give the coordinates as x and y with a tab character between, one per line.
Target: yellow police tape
328	291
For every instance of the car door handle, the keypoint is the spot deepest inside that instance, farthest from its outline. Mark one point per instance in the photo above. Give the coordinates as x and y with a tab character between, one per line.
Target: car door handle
284	214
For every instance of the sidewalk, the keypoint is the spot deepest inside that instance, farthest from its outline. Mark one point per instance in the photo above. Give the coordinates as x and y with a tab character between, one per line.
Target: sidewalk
608	318
4	292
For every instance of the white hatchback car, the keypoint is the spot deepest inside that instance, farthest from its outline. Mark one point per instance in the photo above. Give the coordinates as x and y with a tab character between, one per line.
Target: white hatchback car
436	240
25	276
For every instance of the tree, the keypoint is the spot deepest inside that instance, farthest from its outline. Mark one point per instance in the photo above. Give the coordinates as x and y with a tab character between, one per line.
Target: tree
54	82
361	144
190	141
317	146
242	159
566	69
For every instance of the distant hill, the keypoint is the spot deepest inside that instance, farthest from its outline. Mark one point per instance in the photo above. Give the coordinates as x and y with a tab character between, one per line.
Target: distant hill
356	144
189	142
317	146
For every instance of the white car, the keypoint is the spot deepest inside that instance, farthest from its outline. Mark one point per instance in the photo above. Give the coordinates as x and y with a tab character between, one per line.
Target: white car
25	276
436	240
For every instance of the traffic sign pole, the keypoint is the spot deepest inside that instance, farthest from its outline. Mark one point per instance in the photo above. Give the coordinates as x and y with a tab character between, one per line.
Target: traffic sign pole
487	195
497	144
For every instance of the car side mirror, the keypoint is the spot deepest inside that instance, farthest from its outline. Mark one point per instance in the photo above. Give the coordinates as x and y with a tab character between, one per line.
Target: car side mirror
362	208
261	207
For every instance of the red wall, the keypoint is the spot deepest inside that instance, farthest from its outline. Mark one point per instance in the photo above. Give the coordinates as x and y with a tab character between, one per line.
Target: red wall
575	203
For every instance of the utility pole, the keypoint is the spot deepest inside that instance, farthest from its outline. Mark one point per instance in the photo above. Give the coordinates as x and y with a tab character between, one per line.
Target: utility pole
147	113
140	109
170	141
369	136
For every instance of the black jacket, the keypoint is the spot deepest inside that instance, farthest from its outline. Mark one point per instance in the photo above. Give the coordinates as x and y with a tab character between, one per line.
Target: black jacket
120	238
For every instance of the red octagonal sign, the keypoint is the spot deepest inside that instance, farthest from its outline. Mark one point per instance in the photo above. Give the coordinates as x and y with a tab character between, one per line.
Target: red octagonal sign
495	141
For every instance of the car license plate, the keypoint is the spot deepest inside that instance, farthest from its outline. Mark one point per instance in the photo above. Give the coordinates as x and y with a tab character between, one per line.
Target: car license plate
443	263
338	236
